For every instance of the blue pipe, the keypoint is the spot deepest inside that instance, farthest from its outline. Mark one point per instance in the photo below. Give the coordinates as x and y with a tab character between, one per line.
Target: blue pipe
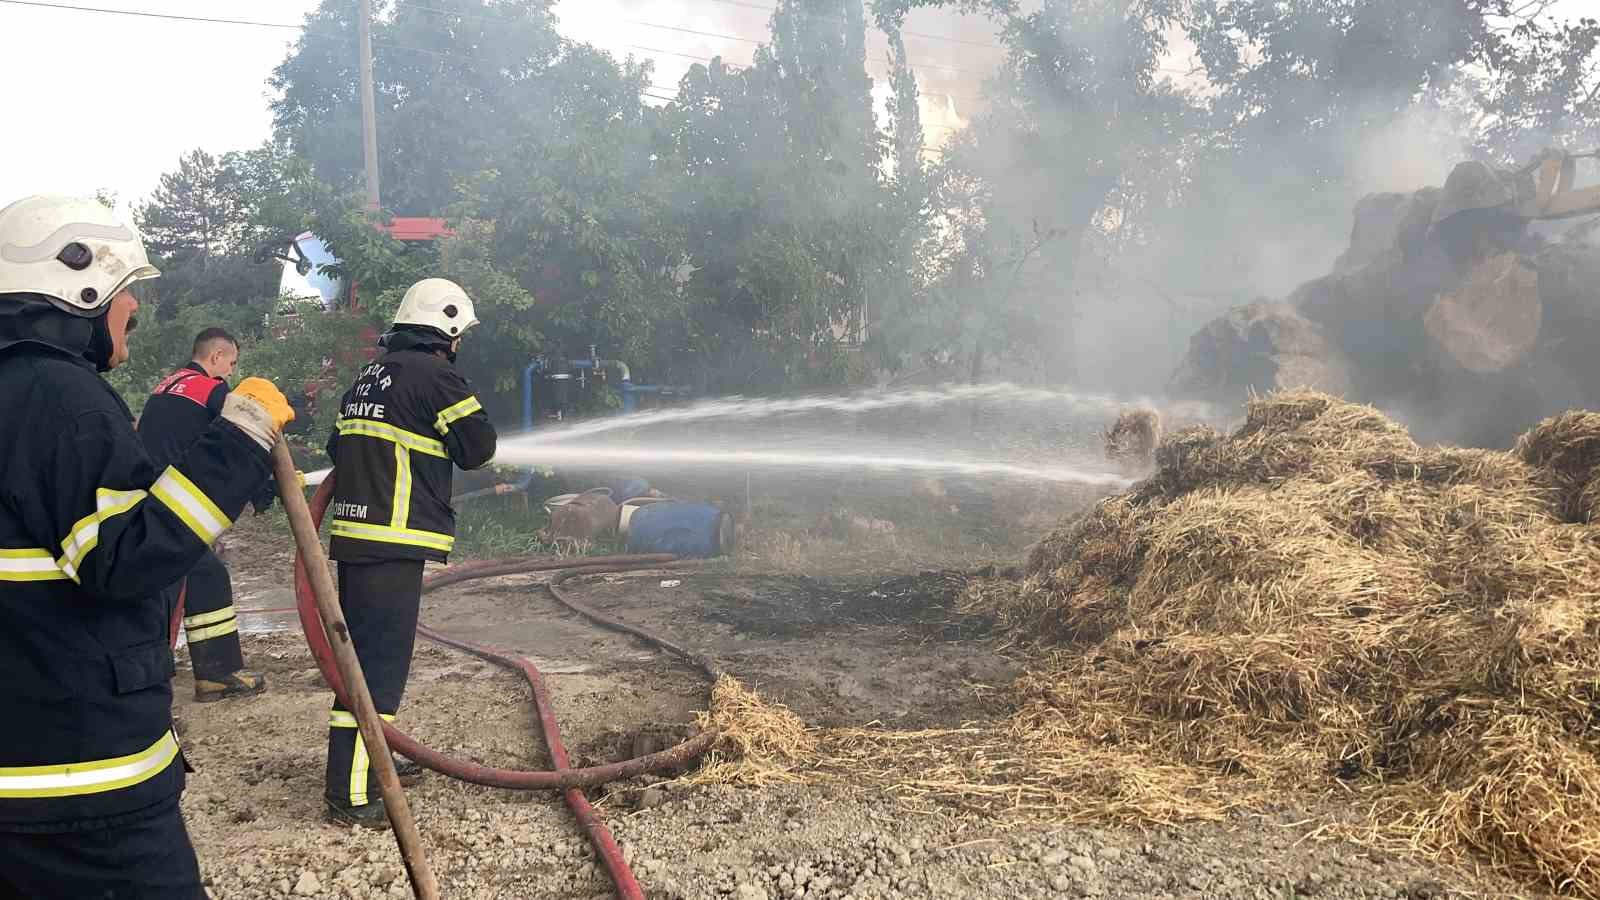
630	391
527	394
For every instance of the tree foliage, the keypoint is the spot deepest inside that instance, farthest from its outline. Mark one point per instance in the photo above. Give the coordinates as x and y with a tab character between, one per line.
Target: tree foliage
1097	166
743	236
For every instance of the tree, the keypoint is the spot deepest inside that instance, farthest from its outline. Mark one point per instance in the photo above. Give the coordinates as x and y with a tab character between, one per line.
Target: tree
721	241
1236	180
783	201
196	214
200	226
457	83
1062	157
1534	86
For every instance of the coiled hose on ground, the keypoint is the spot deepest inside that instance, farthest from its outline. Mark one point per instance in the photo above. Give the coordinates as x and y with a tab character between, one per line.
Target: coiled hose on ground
568	780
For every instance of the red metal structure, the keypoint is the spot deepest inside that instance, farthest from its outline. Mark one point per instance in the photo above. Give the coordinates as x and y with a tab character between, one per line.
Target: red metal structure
417	228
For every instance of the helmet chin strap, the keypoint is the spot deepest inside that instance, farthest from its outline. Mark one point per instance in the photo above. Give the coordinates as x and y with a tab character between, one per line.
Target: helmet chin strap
101	345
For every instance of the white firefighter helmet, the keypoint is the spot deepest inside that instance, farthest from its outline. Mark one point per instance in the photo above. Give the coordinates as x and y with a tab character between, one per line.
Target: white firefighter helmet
72	250
437	303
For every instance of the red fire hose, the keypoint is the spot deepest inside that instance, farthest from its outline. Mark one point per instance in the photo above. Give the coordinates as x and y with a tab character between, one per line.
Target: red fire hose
568	780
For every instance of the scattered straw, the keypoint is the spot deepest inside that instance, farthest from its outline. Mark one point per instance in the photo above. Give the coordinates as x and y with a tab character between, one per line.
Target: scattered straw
761	743
1132	440
1314	602
1568	447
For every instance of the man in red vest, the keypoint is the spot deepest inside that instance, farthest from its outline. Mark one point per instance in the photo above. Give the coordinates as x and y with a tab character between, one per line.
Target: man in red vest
179	411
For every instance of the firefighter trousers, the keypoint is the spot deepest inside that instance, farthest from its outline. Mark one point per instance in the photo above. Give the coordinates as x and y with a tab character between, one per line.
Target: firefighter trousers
209	621
380	603
150	859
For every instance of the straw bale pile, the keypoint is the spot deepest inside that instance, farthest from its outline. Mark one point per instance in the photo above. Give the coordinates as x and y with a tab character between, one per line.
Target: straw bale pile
1132	440
1317	600
1312	603
1475	325
1568	447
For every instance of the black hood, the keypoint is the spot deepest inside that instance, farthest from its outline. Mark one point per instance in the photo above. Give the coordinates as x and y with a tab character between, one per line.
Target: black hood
416	337
31	320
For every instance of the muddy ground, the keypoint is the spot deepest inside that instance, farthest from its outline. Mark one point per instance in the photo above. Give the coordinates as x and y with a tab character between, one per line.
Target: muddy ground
850	651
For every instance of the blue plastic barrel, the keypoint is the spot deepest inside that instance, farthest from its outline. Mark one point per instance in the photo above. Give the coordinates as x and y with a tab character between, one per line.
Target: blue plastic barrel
624	489
684	529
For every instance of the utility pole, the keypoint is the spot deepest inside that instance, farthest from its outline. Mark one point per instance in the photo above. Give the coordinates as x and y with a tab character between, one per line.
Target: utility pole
369	112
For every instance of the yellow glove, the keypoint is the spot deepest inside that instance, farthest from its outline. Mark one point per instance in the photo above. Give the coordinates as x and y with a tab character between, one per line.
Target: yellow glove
271	399
259	409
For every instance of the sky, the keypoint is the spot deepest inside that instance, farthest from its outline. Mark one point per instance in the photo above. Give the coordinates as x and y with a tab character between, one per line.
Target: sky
96	100
105	101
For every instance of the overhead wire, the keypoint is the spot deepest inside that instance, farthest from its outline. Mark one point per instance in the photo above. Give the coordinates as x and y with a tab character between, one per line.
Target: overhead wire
969	98
44	4
307	33
744	39
211	20
905	32
146	14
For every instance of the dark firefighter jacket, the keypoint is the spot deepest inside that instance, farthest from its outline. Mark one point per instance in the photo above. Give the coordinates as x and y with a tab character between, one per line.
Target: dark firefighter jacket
406	419
90	533
179	410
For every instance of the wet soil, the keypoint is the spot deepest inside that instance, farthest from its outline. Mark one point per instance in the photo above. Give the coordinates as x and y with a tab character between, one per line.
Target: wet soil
838	651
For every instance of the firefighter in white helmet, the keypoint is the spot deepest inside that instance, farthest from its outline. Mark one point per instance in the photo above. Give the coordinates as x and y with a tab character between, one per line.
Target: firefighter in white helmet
408	417
90	535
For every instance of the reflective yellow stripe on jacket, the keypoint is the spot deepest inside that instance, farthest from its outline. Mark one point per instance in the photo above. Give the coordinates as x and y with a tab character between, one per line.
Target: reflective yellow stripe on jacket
396	532
33	564
400	506
189	503
387	534
383	431
455	413
85	533
92	777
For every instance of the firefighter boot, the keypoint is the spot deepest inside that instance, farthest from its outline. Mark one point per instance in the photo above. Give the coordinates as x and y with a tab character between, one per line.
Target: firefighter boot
242	683
368	815
219	671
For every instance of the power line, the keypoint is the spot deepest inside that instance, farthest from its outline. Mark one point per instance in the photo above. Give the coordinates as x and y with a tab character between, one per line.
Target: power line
916	34
306	33
151	15
207	20
684	55
466	17
966	98
673	96
710	34
747	40
734	65
145	14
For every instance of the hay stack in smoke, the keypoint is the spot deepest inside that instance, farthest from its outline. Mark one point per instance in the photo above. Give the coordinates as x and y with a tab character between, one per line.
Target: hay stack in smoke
1465	318
1131	441
1316	599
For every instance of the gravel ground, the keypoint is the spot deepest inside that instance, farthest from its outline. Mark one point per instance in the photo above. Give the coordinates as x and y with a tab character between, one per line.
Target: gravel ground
798	842
838	654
